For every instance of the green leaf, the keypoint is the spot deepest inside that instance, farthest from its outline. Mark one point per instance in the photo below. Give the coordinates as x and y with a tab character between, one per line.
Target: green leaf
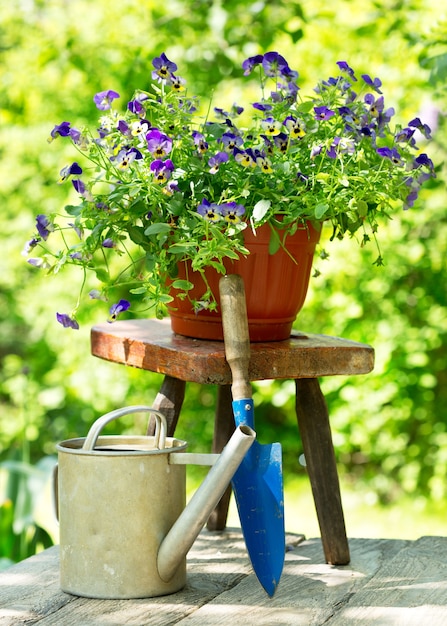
157	228
274	242
164	298
231	254
305	107
136	234
184	285
180	248
320	210
362	208
102	275
73	210
138	290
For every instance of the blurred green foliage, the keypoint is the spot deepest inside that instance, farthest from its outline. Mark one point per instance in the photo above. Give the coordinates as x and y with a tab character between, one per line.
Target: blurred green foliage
390	427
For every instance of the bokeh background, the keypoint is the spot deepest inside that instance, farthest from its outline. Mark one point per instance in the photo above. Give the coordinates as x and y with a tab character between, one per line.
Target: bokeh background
389	427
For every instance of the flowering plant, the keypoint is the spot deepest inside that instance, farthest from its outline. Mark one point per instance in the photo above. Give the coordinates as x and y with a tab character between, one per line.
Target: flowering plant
165	181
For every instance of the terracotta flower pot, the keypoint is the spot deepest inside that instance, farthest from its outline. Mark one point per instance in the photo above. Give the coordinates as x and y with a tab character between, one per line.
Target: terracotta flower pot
275	287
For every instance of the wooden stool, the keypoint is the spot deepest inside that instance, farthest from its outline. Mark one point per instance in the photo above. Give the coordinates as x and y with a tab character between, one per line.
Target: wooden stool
151	345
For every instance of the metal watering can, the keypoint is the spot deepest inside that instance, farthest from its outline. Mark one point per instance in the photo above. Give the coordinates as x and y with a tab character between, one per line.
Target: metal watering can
120	501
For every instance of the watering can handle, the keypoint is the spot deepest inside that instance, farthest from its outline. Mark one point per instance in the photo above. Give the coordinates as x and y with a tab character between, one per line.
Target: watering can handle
96	428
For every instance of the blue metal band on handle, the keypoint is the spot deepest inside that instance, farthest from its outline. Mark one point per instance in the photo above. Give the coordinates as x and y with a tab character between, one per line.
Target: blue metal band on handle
244	413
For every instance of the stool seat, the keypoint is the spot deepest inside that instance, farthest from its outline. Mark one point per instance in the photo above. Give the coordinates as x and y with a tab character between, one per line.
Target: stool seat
151	345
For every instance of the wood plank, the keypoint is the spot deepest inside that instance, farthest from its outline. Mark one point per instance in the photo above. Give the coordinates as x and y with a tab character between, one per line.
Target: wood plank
392	582
408	590
30	593
308	593
151	345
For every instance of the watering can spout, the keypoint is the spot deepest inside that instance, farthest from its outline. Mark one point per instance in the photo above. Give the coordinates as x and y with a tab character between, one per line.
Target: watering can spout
188	525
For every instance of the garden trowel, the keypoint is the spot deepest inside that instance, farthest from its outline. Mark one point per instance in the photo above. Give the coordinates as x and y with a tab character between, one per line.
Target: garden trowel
257	484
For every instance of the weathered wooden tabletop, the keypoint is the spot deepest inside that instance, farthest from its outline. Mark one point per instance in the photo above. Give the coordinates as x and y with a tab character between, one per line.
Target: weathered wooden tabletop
151	345
388	583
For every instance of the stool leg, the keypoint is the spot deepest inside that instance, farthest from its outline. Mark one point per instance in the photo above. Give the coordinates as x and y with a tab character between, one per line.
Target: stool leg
313	422
169	401
223	429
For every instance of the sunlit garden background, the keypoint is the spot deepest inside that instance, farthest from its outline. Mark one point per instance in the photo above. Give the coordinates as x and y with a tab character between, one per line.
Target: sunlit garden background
389	427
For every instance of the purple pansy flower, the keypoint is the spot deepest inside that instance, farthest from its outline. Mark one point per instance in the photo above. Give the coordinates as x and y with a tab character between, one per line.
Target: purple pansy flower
77	137
315	150
60	130
76	256
232	211
221	113
323	113
140	128
95	294
246	158
108	243
64	130
405	135
424	160
30	244
124	129
294	126
199	141
261	106
332	150
171	188
236	110
162	170
210	211
44	226
376	108
125	157
281	141
411	199
69	170
67	321
135	106
263	162
421	127
271	126
392	154
349	116
104	99
163	68
344	67
158	144
275	65
117	308
251	63
216	161
80	187
37	262
341	145
231	141
375	83
330	82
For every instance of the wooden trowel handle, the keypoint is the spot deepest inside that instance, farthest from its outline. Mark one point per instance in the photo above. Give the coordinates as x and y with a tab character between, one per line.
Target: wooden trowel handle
235	329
